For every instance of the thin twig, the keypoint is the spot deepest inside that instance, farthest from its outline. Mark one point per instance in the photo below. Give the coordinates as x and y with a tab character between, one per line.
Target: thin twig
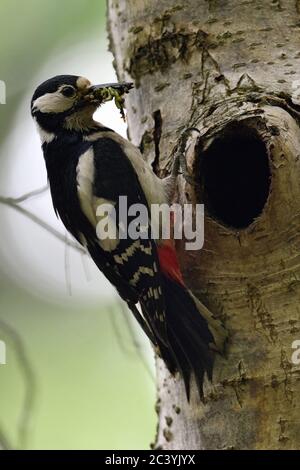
120	339
137	346
29	195
10	202
14	203
30	384
4	442
84	262
67	265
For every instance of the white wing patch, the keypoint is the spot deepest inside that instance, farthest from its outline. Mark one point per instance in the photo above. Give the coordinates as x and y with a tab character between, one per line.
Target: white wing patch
91	205
85	177
106	230
152	186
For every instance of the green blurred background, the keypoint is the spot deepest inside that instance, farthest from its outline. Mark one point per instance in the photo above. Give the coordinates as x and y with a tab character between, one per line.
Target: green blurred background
78	373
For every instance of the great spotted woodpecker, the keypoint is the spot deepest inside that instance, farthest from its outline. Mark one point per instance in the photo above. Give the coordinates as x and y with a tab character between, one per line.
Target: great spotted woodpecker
89	165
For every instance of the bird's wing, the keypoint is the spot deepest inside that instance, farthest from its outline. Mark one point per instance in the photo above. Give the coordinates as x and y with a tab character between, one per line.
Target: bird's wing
104	173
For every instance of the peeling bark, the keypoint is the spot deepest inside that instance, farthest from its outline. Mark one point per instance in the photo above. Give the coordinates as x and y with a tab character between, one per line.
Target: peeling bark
227	68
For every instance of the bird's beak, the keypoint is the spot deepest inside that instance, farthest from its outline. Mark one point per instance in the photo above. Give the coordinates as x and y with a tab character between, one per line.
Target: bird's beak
96	95
121	88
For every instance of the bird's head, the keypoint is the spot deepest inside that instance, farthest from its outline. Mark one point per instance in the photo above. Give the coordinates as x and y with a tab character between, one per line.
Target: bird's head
69	102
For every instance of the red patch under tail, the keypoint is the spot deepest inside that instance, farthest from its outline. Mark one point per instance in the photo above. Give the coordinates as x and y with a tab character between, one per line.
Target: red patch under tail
168	261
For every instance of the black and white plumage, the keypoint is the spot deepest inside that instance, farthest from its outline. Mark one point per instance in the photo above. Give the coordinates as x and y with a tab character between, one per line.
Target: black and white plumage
89	165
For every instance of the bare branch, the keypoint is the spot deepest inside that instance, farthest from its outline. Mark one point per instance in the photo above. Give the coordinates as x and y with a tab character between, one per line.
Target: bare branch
30	387
4	442
15	205
67	265
29	195
85	267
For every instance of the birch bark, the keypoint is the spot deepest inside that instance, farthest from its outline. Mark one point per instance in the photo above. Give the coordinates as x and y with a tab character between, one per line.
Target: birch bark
229	68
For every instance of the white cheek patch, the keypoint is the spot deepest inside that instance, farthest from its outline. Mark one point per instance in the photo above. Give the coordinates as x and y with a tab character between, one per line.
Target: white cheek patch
52	103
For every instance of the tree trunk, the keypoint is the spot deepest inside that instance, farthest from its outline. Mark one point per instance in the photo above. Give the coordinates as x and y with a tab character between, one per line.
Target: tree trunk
229	69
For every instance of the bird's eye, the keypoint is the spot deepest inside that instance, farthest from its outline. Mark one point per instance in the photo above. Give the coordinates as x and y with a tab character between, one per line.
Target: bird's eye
68	91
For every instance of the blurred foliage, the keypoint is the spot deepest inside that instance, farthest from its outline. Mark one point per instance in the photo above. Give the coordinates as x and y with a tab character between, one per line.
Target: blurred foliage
91	391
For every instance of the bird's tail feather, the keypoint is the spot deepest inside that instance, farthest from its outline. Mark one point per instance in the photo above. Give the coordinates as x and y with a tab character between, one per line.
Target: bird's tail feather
193	335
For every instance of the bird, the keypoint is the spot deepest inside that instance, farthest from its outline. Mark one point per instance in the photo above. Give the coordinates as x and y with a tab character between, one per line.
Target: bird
90	167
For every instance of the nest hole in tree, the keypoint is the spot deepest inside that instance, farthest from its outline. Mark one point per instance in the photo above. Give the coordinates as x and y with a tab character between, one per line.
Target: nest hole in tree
234	175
